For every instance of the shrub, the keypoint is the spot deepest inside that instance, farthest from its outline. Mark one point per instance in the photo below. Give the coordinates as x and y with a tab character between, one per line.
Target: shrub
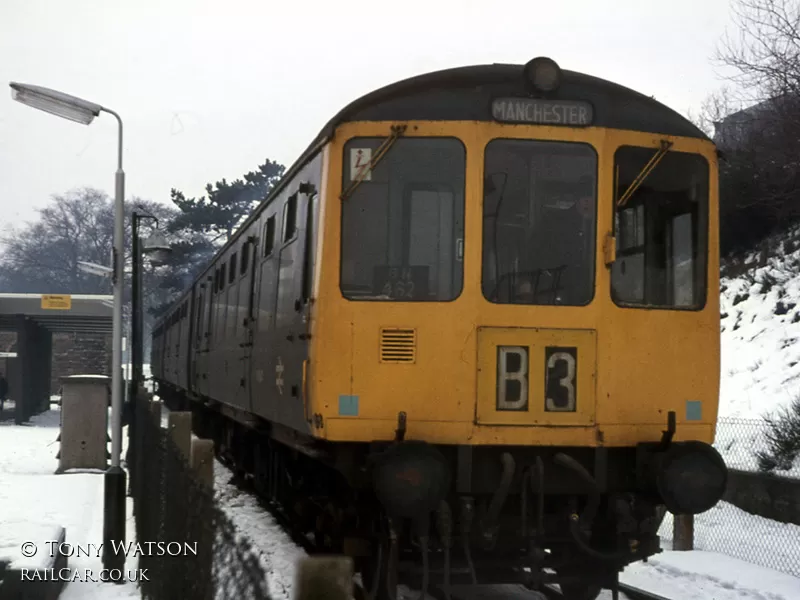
783	439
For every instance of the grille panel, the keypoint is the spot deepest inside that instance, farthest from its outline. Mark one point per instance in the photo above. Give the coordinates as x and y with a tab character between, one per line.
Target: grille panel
398	345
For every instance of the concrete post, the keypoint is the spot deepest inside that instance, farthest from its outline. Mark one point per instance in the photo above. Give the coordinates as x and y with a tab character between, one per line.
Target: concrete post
180	428
325	578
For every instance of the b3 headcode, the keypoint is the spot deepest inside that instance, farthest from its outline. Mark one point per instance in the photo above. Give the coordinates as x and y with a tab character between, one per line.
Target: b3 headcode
512	378
561	371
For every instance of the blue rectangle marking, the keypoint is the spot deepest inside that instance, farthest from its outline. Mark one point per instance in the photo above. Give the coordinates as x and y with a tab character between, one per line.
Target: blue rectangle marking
694	410
348	406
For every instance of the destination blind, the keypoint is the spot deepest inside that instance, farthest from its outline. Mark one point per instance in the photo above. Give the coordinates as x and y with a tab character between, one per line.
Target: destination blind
573	113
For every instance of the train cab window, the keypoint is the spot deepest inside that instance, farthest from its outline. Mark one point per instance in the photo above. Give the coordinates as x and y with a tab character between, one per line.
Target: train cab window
290	218
661	231
232	272
269	235
245	260
403	225
539	220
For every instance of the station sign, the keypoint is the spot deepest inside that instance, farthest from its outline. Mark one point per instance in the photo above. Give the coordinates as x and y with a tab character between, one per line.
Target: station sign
56	302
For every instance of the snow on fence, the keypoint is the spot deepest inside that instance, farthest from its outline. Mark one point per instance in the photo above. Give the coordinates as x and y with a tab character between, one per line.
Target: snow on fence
172	484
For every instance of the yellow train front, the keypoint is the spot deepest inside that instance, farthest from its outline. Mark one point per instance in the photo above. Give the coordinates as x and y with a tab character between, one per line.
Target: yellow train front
509	320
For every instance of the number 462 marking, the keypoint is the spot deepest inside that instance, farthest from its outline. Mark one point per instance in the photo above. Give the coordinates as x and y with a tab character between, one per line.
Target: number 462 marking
561	368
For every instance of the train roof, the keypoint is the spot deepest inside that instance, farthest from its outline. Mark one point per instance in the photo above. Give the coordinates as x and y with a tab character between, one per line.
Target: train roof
466	94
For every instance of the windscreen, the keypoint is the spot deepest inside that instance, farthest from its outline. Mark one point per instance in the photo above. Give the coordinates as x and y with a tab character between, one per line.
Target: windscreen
403	226
539	212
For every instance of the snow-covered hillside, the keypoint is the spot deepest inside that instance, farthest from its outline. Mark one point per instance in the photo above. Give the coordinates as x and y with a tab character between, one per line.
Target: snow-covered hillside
760	344
760	330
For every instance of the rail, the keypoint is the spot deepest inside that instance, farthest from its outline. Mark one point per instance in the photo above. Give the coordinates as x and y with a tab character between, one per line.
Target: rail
630	592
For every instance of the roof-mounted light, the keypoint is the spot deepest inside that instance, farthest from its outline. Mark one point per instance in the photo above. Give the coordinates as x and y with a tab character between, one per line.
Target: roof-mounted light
543	74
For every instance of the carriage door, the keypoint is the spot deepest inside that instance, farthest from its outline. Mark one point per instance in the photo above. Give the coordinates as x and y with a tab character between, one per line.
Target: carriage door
196	335
203	336
245	318
290	351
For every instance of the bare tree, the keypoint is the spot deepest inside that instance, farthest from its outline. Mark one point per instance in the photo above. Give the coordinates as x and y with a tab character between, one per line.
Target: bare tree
765	53
760	173
43	255
715	108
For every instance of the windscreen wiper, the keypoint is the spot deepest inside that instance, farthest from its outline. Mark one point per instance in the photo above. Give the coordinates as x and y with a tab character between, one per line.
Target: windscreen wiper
397	131
646	170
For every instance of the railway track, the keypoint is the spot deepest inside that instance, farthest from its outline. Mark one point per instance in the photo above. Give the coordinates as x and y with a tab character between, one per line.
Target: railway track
630	592
551	593
434	590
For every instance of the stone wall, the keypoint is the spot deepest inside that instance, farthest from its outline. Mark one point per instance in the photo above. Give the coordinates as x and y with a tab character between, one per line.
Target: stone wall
769	496
73	354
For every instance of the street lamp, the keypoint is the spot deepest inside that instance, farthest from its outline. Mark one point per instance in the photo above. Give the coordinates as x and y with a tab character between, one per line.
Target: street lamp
84	112
95	269
158	249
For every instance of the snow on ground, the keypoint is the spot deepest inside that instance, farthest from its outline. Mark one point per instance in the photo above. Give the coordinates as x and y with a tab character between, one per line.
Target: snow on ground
279	553
32	497
760	353
701	575
744	536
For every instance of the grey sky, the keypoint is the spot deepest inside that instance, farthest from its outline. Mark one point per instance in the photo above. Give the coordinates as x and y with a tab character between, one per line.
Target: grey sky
209	89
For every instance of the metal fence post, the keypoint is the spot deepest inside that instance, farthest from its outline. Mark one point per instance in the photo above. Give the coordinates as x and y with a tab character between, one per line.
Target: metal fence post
683	532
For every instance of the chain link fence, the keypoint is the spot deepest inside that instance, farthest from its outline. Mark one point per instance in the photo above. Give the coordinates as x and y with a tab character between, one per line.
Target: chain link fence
201	556
728	530
750	445
756	445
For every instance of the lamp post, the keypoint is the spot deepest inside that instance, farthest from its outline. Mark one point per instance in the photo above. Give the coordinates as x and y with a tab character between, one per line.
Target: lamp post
158	248
82	111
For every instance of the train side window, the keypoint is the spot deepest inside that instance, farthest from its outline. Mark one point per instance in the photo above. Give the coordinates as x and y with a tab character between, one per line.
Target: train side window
661	231
222	276
232	273
216	281
290	218
245	258
269	235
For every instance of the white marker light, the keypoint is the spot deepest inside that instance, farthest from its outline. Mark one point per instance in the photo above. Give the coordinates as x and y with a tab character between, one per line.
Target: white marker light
543	74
